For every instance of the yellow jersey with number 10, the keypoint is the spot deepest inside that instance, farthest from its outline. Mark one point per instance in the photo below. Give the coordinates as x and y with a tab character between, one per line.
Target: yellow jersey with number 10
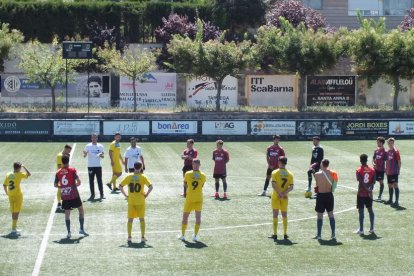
195	181
136	187
283	179
12	182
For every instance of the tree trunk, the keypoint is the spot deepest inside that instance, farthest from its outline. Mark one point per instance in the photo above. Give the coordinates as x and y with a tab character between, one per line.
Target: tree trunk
301	92
219	83
52	89
396	93
135	94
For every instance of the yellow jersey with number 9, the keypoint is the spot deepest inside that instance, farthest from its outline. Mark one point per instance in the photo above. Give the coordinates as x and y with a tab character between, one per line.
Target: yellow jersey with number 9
283	179
12	182
136	187
195	181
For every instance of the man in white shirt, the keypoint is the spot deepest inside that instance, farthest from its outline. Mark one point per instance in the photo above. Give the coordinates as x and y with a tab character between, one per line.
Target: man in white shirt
95	153
133	154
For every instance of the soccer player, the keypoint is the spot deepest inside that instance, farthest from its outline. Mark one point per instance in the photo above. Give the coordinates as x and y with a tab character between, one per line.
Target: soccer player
316	159
282	183
116	160
68	181
325	184
188	155
133	154
393	166
12	188
378	160
365	176
66	151
273	152
220	157
194	182
95	153
136	198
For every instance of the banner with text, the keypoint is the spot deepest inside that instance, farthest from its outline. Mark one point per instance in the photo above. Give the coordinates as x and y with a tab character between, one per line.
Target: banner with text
401	128
330	90
130	128
174	127
18	127
202	92
272	90
157	90
224	128
75	127
273	127
366	127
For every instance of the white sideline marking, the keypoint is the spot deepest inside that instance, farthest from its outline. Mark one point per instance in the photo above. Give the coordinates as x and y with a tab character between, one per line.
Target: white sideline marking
43	245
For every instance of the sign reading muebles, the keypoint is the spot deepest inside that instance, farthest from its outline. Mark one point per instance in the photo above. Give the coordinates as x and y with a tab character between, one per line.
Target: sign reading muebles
75	127
20	127
273	127
272	90
330	90
174	127
224	127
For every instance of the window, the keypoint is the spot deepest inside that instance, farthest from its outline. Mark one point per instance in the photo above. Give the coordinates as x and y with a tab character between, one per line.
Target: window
396	7
314	4
379	7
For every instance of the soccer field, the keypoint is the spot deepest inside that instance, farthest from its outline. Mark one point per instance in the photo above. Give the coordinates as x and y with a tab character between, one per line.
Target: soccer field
233	235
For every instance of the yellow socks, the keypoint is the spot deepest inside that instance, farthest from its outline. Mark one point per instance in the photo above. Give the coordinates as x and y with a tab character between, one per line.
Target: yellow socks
129	229
59	195
113	181
275	222
14	224
285	223
142	224
183	228
196	229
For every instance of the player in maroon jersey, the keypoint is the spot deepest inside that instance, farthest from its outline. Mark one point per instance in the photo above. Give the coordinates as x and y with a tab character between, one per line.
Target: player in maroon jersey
68	181
188	155
392	169
378	161
366	180
273	152
220	157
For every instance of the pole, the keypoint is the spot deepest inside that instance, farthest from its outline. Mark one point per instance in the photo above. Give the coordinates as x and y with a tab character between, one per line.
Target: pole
66	85
89	95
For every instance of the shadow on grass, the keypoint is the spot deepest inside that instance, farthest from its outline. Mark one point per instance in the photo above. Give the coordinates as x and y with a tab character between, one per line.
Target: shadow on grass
11	236
399	208
222	199
195	245
94	200
371	237
331	242
286	242
136	245
69	241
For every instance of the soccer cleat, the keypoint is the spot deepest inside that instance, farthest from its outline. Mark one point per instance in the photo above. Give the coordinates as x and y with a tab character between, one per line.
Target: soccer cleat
16	233
285	237
216	195
225	196
102	197
318	237
263	193
184	194
116	189
333	237
129	240
181	238
359	232
273	237
83	232
372	231
379	198
388	202
195	238
109	186
69	235
92	197
143	239
395	205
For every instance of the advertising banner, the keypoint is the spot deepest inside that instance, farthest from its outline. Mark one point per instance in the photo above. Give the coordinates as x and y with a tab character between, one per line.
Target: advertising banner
224	127
331	128
366	127
174	127
272	90
401	128
157	90
20	127
75	127
306	128
273	127
130	128
330	90
202	92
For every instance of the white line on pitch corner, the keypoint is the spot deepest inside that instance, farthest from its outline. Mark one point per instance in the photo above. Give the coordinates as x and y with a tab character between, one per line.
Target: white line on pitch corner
46	234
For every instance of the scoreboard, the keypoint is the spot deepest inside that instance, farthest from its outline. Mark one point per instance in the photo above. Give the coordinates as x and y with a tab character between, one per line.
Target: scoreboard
77	50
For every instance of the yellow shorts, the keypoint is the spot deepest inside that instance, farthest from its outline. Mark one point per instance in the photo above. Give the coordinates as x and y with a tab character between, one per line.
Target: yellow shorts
16	203
117	168
190	206
136	211
280	204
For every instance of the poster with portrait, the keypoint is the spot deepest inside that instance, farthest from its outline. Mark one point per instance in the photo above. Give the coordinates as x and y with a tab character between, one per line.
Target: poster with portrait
331	128
308	128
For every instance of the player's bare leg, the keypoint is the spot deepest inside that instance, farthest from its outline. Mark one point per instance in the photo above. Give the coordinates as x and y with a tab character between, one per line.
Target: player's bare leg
81	221
142	225
266	184
285	224
129	229
15	217
275	223
184	224
197	225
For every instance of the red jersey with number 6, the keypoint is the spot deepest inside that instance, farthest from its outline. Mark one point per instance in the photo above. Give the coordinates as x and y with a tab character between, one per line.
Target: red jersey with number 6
66	180
366	180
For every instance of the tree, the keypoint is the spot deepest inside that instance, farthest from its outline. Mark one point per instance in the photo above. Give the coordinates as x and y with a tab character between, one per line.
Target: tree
9	39
297	50
133	63
408	22
44	64
214	58
377	54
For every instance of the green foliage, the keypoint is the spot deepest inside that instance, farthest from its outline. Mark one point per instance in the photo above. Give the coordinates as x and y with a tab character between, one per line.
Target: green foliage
9	39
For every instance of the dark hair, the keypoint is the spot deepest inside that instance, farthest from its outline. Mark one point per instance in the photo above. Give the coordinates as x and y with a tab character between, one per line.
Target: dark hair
132	138
283	160
363	158
197	161
17	165
276	137
117	133
95	79
137	166
68	146
65	160
325	163
316	138
220	142
381	140
191	141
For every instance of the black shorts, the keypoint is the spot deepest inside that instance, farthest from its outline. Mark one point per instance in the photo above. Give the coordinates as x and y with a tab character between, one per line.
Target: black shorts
71	204
269	171
324	201
216	175
131	170
392	178
379	175
187	168
364	201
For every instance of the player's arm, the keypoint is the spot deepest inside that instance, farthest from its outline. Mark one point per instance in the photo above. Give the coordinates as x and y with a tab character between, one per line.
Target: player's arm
121	188
27	171
5	186
85	152
274	185
267	157
121	158
142	161
111	157
56	182
126	164
399	160
227	157
288	190
184	156
150	187
77	180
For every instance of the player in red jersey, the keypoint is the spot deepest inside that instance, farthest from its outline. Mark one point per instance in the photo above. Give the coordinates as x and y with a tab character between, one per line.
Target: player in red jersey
392	169
188	155
378	161
365	176
68	181
220	157
273	152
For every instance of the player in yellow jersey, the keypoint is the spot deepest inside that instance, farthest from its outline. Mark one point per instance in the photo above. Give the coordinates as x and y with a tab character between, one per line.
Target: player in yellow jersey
193	182
12	188
116	161
136	183
66	151
282	183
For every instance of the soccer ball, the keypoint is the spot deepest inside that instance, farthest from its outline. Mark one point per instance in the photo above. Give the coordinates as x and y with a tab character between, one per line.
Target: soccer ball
308	194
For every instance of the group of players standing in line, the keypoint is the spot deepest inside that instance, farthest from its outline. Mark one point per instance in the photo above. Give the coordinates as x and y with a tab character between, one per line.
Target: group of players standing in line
67	181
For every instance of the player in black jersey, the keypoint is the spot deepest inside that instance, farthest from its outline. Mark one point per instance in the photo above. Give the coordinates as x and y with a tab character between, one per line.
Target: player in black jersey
317	157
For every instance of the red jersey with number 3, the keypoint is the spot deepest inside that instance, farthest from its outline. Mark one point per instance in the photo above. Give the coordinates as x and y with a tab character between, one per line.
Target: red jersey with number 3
220	157
366	180
66	177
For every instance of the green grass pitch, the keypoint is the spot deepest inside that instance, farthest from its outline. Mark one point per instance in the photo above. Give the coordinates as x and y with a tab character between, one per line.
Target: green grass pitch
233	236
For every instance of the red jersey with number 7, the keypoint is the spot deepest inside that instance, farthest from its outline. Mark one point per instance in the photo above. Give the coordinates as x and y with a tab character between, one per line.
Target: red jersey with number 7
66	180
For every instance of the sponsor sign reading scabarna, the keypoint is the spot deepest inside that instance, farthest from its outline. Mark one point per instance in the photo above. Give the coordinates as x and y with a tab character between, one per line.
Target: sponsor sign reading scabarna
273	127
126	127
401	128
174	127
75	127
224	127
